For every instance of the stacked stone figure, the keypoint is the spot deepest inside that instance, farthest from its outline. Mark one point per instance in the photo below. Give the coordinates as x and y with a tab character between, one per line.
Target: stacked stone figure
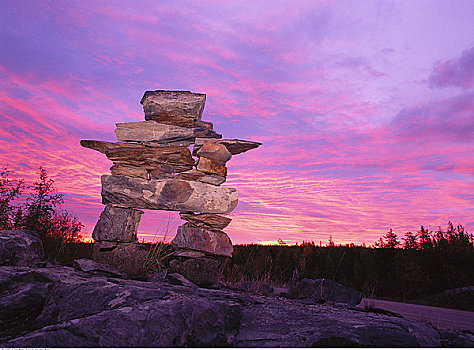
153	168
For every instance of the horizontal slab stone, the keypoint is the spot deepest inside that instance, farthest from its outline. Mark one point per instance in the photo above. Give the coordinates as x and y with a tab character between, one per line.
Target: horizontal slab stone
206	133
215	151
178	195
150	157
190	175
212	220
181	108
198	238
209	166
129	170
162	171
104	146
117	225
152	131
234	146
212	179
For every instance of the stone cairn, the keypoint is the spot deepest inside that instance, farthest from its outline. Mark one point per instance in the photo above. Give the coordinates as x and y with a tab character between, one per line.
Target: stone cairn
153	168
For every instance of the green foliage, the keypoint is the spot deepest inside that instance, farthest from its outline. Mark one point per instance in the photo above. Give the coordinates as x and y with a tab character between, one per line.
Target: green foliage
40	212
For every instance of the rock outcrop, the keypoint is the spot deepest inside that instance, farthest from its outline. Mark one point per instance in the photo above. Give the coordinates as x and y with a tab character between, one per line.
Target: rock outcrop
60	306
20	248
154	169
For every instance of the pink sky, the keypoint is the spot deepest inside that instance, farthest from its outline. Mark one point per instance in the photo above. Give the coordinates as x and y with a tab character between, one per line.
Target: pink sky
365	109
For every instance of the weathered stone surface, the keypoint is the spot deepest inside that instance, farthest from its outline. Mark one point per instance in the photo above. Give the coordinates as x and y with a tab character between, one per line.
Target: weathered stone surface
206	133
202	239
234	146
171	194
215	151
190	175
209	166
203	124
152	131
162	171
179	280
128	258
62	307
150	157
326	289
182	108
20	248
216	221
129	170
104	146
117	224
212	179
203	272
94	267
186	253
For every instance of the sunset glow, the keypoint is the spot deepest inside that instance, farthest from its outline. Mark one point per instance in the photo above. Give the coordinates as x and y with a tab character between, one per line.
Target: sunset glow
365	109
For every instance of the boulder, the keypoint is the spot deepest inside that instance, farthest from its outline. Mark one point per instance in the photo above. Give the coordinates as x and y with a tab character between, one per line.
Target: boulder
181	108
325	289
94	267
128	258
187	253
209	166
129	170
152	131
117	224
177	195
203	272
20	248
199	238
215	151
150	157
212	220
234	146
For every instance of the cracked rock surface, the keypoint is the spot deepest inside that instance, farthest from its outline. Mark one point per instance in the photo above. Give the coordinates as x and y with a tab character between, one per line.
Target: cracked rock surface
59	306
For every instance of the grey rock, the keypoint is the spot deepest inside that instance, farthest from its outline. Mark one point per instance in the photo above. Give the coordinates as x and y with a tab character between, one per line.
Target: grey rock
22	297
202	239
117	224
181	108
188	253
152	131
327	290
20	248
234	146
203	272
92	266
179	280
62	307
170	194
128	258
210	220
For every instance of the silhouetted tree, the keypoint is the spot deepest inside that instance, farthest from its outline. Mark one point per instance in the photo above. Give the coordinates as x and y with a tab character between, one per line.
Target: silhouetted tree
411	241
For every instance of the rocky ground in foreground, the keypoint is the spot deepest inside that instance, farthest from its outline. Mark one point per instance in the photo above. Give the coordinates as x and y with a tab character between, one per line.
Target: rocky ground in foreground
93	305
58	306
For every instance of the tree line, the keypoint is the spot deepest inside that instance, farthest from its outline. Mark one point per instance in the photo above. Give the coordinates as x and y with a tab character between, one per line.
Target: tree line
423	263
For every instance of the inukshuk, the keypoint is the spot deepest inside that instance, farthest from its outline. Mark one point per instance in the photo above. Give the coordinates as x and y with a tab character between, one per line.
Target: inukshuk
153	168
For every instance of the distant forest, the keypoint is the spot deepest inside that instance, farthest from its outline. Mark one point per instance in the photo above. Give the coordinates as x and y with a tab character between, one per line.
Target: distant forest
418	265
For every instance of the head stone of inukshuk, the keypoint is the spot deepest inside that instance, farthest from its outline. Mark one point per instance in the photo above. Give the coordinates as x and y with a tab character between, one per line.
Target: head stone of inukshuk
153	168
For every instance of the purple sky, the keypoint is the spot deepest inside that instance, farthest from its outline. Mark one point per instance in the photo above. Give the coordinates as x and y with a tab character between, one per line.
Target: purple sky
365	108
